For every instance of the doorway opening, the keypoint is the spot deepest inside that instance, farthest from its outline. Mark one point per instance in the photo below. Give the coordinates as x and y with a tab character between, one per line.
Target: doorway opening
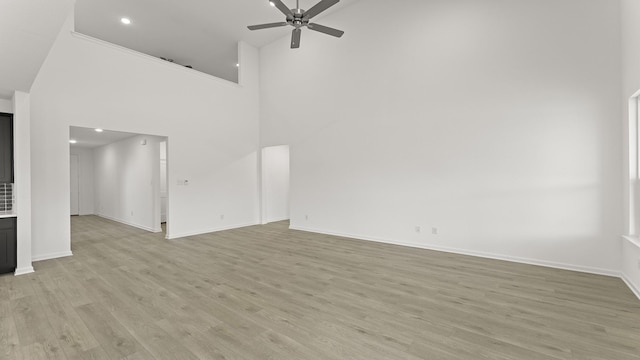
163	184
275	183
119	176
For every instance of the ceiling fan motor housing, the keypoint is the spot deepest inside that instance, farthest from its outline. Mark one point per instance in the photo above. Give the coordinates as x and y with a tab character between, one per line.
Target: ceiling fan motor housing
297	20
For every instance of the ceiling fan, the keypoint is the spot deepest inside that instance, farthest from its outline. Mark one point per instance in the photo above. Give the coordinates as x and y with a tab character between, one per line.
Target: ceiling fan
299	18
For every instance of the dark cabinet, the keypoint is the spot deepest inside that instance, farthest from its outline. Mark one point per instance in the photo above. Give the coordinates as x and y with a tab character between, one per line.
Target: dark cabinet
7	245
6	148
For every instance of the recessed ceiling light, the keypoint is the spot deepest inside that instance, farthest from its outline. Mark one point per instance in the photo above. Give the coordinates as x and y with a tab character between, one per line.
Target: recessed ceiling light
99	130
238	65
125	21
271	3
72	141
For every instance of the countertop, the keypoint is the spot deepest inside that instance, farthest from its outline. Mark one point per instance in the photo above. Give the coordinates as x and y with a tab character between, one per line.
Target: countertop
7	214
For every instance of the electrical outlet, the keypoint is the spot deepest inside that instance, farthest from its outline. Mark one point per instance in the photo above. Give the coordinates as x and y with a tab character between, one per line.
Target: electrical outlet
132	213
222	217
306	217
418	229
434	230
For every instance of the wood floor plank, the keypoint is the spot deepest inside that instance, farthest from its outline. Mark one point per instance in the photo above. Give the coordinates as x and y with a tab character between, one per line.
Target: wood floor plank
96	353
9	341
201	345
68	328
267	292
34	351
19	287
112	336
33	326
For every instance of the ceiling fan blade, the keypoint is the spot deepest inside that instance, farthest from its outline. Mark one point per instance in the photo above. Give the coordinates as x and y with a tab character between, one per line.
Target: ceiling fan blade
295	38
282	7
319	7
266	26
326	30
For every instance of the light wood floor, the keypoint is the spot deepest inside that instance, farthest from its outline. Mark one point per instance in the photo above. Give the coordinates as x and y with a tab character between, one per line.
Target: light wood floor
266	292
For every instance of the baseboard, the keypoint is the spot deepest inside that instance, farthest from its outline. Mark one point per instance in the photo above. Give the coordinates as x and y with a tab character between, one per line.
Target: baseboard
51	256
23	271
551	264
634	289
150	229
210	230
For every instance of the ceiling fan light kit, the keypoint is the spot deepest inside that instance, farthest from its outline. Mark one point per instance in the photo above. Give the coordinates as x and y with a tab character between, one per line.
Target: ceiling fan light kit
299	18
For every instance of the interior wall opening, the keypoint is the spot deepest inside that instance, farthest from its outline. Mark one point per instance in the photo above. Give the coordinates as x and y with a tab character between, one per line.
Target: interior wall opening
275	183
163	183
119	176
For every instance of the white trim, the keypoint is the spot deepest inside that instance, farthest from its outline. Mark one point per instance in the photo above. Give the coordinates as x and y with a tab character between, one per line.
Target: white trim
153	230
211	230
551	264
51	256
632	166
155	59
23	271
634	289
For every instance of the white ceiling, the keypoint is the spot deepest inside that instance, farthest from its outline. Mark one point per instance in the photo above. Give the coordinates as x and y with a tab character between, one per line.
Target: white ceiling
28	28
200	33
89	138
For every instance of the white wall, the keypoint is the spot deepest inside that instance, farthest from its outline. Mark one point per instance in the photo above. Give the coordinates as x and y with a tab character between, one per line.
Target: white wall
127	181
86	181
22	179
212	127
630	11
6	106
494	121
275	183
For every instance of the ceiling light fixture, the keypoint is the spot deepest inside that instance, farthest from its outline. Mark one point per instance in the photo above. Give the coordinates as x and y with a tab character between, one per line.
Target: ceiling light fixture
72	141
272	3
237	64
99	130
125	21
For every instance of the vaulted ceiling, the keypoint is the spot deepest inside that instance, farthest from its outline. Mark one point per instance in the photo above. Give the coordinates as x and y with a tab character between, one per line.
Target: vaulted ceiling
200	33
28	29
